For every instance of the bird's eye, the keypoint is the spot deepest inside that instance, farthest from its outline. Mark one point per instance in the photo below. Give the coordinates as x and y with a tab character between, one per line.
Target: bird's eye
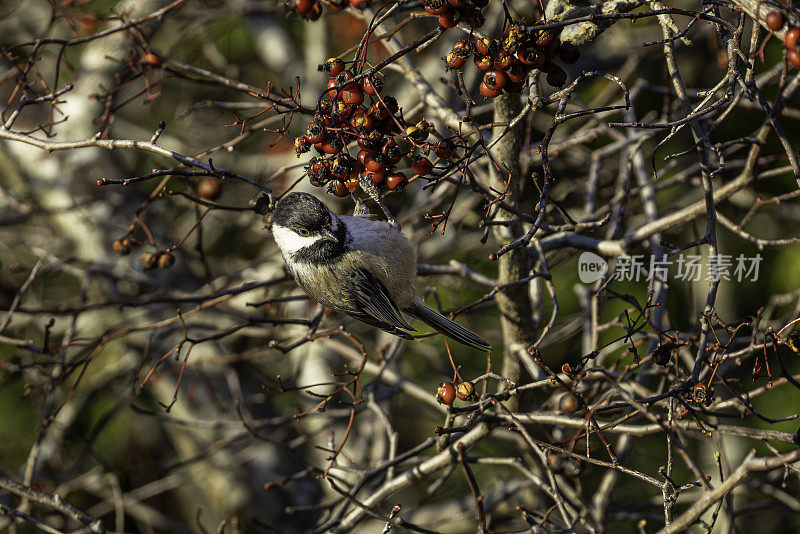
303	232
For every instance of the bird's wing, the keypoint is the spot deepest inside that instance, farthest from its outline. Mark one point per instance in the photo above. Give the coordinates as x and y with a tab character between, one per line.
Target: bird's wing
374	305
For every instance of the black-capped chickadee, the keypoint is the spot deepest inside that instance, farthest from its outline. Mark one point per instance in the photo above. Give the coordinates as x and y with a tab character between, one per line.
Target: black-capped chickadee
356	266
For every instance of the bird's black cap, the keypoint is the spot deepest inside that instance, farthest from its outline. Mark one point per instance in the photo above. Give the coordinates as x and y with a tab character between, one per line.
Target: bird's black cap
302	211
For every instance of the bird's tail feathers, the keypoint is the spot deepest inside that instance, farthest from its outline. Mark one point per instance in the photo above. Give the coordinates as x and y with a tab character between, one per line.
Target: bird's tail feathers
445	326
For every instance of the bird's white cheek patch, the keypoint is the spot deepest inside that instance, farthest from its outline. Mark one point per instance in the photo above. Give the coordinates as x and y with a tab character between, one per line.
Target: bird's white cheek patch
289	241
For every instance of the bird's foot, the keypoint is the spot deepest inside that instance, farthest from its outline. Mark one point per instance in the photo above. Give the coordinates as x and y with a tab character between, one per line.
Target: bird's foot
370	189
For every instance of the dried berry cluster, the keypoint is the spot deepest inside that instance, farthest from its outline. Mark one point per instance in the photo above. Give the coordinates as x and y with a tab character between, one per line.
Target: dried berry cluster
507	62
162	259
775	22
312	9
452	12
344	116
125	245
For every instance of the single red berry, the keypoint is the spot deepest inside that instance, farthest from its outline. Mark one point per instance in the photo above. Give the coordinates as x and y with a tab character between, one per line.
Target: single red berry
515	73
315	133
393	156
458	55
340	167
417	133
375	177
333	67
488	92
504	59
461	43
483	62
343	109
485	46
422	166
531	56
332	145
444	149
387	146
449	19
396	181
465	390
446	393
360	4
370	142
210	188
331	90
454	60
568	402
352	96
303	6
774	20
495	79
361	122
791	37
166	260
378	111
436	7
374	162
794	58
148	261
343	77
372	85
338	188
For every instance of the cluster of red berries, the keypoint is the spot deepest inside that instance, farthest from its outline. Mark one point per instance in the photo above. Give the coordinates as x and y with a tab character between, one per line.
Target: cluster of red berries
451	12
355	112
447	392
775	22
506	62
312	9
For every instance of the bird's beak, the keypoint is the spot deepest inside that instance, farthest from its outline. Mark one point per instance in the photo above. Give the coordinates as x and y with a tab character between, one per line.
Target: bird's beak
330	236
